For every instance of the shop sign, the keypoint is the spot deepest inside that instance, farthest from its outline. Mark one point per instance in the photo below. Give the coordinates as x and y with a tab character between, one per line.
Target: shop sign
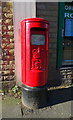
68	11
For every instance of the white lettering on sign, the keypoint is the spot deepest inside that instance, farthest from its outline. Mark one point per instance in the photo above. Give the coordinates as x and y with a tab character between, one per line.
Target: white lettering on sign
69	15
68	7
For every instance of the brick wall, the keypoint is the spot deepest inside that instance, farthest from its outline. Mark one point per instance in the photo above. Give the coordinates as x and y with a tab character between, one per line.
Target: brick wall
7	44
0	35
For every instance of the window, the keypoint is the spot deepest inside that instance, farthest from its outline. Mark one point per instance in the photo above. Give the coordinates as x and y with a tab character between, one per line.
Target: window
68	28
65	35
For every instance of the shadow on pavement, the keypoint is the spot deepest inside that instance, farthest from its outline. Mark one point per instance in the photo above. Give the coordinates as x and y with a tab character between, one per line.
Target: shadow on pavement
59	96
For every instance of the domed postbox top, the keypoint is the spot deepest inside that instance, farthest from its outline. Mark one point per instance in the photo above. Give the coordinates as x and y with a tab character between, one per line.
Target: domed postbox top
35	20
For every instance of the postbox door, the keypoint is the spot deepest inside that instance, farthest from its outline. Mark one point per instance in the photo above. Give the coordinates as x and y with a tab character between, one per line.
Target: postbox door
38	49
36	56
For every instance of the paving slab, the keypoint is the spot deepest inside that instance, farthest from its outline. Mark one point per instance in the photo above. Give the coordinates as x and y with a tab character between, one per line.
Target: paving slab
11	107
62	110
60	105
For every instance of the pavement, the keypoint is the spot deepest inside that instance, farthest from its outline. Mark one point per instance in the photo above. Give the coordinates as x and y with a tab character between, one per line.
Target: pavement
60	105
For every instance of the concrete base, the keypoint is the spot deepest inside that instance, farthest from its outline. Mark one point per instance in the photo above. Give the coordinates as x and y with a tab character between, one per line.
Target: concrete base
34	97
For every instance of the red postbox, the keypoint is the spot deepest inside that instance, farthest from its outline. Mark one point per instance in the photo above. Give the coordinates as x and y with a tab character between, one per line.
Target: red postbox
34	55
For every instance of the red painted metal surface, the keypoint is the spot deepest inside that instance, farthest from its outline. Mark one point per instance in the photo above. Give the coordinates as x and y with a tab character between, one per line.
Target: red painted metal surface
34	57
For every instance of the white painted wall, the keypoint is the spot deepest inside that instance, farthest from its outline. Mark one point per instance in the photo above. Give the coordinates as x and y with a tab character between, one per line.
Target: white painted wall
21	10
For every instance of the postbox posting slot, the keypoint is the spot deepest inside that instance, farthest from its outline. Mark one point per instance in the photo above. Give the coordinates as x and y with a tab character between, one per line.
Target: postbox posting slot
37	39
